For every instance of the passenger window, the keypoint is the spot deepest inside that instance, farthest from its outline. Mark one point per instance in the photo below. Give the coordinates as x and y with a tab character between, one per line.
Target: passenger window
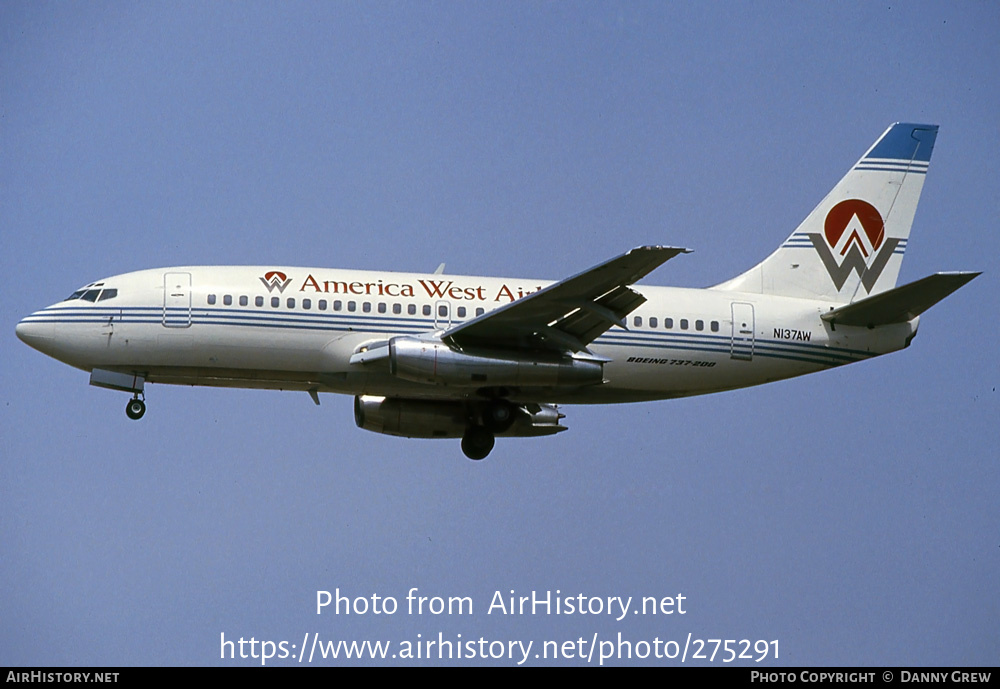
228	300
652	321
668	323
307	303
427	309
637	321
211	300
275	302
461	312
291	302
480	311
244	301
699	325
337	305
411	309
397	308
259	301
442	311
381	307
322	305
366	307
352	306
684	324
715	326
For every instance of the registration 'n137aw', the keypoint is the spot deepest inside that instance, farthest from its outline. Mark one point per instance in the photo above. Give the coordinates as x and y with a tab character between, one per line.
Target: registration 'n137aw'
448	356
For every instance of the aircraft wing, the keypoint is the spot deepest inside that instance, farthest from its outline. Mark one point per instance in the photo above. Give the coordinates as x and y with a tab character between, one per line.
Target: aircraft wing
567	315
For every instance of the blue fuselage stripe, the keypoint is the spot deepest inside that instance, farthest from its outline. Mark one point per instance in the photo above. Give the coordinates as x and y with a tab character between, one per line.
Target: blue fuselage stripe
390	325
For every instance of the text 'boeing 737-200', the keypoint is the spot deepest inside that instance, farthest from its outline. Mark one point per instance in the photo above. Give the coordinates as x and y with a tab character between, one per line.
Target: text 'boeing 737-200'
443	356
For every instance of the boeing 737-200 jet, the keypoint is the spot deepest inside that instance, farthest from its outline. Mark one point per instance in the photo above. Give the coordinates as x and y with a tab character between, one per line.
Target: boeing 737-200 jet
448	356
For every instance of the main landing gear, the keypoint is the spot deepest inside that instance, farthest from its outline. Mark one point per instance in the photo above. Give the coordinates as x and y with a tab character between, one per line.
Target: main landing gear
135	408
479	439
477	442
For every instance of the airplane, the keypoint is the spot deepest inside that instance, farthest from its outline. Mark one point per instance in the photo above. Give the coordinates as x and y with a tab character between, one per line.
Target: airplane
451	356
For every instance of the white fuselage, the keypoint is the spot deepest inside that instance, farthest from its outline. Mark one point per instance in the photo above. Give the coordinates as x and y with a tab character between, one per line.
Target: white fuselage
228	326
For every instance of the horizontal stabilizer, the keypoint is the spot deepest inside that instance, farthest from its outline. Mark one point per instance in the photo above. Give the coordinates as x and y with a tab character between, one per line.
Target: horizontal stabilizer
900	304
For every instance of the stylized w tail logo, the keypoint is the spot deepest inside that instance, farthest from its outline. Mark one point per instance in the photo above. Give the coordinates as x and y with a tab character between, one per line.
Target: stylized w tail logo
854	260
275	279
866	237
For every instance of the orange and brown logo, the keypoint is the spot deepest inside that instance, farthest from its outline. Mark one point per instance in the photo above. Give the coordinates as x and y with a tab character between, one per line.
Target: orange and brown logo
275	279
854	230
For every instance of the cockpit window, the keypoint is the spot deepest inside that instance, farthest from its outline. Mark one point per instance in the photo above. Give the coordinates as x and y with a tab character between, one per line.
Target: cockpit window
93	293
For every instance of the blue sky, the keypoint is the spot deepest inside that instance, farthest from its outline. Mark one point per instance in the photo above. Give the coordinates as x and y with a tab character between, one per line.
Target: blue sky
851	515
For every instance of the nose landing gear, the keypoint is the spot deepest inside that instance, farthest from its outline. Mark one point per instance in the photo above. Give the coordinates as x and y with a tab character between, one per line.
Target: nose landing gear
135	408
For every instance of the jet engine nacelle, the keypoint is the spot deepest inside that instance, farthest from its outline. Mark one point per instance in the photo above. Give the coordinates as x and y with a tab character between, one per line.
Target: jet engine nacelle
430	361
449	418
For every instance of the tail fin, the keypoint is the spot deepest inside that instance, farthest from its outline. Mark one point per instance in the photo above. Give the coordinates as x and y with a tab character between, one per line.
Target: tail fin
851	246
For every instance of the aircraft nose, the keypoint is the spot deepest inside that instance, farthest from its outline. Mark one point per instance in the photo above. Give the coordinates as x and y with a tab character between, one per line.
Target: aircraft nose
33	334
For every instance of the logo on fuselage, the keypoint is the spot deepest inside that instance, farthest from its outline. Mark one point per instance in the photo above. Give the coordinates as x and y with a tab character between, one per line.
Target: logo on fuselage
854	229
275	279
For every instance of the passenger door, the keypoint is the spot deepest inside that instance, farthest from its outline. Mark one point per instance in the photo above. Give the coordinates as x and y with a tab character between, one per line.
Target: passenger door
176	300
